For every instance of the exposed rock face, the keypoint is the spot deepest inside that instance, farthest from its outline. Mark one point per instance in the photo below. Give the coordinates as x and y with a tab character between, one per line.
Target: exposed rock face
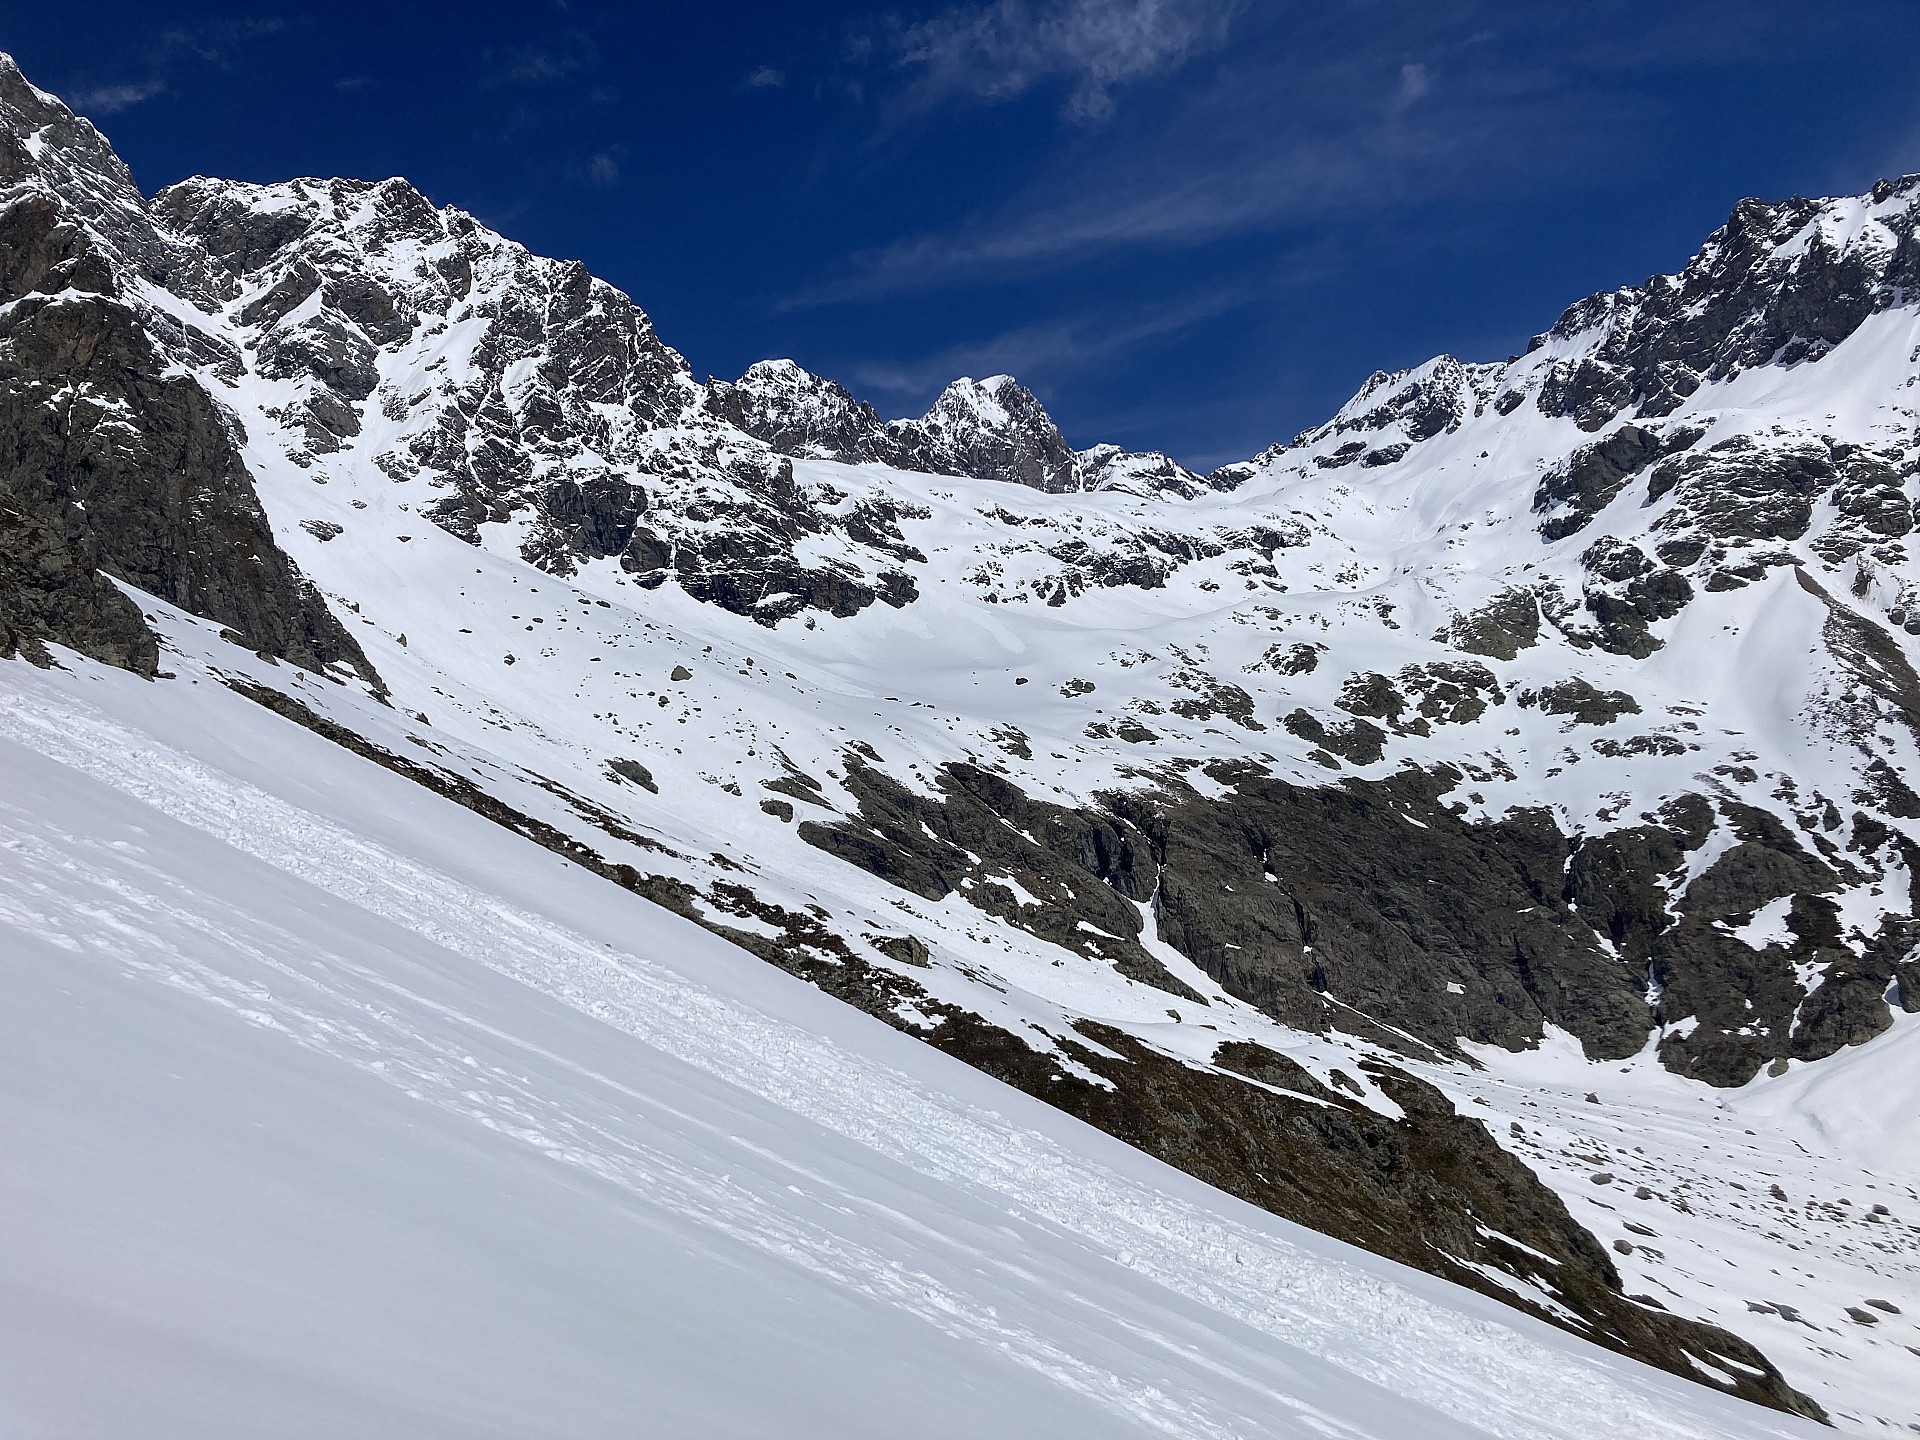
141	467
978	837
132	467
1312	904
992	429
51	158
1624	594
1500	629
1580	702
1308	901
567	414
49	590
1777	284
1108	467
1574	493
1396	410
798	413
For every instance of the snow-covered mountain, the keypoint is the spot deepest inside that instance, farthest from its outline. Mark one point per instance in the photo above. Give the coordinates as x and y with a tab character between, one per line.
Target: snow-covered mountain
1481	829
992	429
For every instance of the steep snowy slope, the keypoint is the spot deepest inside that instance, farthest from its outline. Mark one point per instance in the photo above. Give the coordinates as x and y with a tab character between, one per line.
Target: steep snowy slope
332	1109
1527	732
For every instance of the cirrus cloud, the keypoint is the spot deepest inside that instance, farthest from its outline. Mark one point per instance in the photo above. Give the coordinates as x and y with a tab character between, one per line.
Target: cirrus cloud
1011	47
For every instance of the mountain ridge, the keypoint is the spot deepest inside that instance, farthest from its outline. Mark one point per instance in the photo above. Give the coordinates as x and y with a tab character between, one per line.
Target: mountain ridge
1418	735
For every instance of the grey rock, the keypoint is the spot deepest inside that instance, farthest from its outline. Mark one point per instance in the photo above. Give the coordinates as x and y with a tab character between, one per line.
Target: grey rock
634	773
140	476
1501	629
1747	298
991	429
1568	497
51	589
1580	702
1625	595
144	477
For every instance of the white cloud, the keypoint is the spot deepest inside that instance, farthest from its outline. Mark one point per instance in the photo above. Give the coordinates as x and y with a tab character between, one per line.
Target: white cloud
604	171
765	78
1002	50
108	99
1287	130
1414	83
1180	200
170	51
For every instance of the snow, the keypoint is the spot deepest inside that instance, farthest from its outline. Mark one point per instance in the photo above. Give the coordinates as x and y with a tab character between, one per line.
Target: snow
324	904
1385	558
1695	1173
332	1109
1767	927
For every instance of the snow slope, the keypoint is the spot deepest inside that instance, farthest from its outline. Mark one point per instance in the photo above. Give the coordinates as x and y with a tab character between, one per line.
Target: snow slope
571	569
332	1109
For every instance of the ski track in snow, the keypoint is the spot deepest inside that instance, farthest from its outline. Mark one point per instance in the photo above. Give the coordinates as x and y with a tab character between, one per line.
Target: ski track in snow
1493	1378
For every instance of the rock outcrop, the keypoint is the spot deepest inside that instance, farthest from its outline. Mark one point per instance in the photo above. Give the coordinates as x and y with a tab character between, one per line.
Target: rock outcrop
111	460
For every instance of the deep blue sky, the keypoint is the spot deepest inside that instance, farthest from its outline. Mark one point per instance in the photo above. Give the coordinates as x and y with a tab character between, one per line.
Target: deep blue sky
1192	225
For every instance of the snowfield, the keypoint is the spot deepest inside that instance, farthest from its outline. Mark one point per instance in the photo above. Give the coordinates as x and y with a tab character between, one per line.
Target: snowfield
332	1109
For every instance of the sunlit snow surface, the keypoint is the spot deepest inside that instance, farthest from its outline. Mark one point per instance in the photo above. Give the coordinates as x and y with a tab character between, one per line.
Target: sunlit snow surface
526	684
330	1109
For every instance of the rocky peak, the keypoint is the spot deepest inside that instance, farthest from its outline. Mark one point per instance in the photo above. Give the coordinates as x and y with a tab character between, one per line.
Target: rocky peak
1109	467
799	413
40	135
1781	283
111	460
351	223
993	429
1391	413
518	391
46	149
1417	404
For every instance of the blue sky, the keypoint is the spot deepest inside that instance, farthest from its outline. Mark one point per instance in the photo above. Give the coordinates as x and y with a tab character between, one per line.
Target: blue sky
1189	225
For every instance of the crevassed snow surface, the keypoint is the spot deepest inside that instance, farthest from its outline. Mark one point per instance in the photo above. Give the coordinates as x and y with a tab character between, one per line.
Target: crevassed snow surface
331	1109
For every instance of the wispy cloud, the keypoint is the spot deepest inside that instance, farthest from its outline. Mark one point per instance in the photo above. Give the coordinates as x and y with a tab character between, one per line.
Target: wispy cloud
1182	206
556	58
1008	48
1074	345
603	171
1415	82
764	78
1273	141
217	45
111	99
